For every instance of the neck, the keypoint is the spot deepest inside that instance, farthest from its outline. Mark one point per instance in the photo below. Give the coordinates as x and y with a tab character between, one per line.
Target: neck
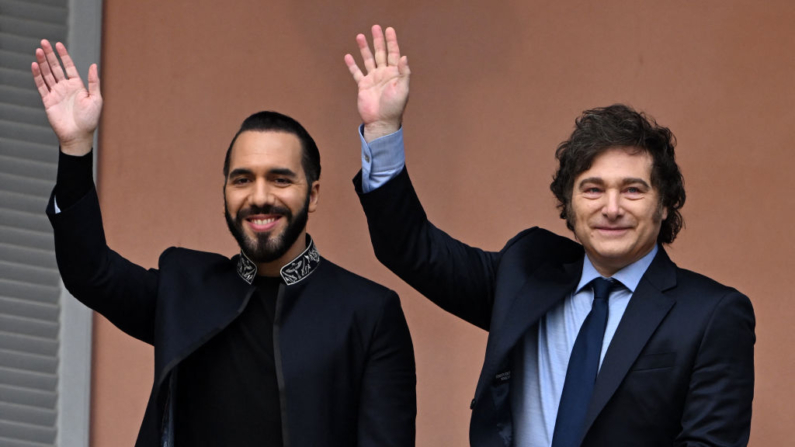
274	267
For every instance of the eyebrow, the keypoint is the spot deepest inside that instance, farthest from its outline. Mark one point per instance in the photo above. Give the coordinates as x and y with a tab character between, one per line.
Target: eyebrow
624	182
275	171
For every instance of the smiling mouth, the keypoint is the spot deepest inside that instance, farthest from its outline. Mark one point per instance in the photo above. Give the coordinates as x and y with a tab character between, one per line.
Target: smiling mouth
262	224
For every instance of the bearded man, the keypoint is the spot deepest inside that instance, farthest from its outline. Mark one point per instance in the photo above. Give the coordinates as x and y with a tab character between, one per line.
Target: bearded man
274	347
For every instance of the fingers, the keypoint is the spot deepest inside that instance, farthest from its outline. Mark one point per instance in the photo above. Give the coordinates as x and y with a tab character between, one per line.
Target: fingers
367	56
353	68
393	51
93	81
387	52
379	46
41	86
71	70
44	66
52	59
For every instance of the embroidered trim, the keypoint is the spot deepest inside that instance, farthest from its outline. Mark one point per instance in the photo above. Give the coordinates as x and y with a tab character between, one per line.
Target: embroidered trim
292	273
246	268
303	265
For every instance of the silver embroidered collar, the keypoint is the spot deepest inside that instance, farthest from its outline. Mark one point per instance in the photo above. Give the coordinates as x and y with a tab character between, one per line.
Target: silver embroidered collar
293	272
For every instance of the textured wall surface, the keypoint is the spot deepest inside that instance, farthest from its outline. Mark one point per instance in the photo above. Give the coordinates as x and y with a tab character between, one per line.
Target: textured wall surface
495	87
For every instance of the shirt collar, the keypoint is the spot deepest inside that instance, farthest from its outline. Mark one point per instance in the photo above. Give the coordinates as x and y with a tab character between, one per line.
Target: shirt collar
293	272
628	276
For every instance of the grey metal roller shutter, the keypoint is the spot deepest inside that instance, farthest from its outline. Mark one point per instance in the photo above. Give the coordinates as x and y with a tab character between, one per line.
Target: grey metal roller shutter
30	286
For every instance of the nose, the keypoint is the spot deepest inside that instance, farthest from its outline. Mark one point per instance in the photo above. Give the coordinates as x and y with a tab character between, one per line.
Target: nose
262	194
612	208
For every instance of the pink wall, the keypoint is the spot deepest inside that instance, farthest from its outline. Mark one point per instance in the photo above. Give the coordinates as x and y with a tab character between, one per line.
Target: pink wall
496	86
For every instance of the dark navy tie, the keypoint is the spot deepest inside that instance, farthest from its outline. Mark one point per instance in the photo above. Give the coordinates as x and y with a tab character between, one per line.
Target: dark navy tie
583	366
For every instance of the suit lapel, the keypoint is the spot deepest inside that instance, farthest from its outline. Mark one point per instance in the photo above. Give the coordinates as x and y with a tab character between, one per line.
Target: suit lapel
646	310
544	289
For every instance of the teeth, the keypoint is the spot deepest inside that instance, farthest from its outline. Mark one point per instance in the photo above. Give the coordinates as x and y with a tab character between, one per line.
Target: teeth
263	221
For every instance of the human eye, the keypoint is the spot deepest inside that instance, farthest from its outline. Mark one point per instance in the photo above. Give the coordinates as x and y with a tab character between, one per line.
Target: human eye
240	181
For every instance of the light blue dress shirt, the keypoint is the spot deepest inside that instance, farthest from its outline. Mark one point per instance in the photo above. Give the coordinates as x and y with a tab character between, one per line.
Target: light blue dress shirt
542	356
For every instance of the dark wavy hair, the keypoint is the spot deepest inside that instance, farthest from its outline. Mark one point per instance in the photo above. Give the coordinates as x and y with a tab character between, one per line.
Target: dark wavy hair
597	130
276	122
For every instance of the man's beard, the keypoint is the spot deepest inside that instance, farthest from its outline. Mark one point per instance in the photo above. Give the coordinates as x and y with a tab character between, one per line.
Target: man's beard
266	247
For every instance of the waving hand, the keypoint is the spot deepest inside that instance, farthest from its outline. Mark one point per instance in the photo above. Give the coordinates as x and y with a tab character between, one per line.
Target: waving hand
72	110
384	90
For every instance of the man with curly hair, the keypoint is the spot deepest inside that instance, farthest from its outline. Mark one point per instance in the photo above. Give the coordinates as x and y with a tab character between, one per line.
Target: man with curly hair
599	342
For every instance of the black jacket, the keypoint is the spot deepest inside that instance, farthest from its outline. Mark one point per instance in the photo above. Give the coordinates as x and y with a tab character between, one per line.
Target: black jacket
678	372
344	358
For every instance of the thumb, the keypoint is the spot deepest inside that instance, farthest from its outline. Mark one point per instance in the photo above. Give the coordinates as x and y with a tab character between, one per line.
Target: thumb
403	66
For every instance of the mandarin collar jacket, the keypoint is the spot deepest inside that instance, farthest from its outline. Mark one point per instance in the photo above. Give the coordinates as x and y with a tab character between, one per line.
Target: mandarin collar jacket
340	341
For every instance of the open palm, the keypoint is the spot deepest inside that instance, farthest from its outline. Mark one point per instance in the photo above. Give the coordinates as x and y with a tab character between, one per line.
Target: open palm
73	110
384	90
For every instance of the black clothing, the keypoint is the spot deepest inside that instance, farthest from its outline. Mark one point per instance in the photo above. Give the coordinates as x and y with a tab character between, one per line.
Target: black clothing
343	358
227	390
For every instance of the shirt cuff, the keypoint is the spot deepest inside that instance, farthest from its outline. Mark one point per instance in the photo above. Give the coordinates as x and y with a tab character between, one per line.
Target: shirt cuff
382	159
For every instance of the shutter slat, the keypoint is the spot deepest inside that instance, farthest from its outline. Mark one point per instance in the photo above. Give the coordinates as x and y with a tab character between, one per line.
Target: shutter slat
30	332
28	415
37	12
26	238
19	343
28	362
28	256
22	185
28	150
28	168
27	432
28	309
28	221
24	273
32	28
23	202
26	132
16	78
27	379
26	114
22	96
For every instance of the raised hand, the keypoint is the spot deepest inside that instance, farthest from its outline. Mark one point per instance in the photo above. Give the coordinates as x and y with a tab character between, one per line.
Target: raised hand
72	110
384	90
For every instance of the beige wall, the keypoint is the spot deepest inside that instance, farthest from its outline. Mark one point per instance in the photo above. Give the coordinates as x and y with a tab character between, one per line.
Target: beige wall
496	86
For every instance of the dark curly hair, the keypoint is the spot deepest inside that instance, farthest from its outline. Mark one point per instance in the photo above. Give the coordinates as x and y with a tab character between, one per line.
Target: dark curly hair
597	130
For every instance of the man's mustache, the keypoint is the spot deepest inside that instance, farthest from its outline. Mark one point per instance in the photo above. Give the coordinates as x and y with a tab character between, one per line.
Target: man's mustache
266	209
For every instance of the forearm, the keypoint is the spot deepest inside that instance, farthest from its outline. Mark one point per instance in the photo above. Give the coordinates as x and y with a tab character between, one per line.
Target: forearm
74	180
96	275
455	276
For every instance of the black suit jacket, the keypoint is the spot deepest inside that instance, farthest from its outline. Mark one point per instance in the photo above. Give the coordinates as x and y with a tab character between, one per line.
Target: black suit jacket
679	370
343	353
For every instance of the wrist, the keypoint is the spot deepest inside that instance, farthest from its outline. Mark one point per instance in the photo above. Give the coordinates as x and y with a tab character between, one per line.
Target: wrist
380	129
78	146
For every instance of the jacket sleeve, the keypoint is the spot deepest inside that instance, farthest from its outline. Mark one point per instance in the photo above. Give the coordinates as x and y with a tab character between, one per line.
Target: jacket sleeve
717	408
100	278
388	403
455	276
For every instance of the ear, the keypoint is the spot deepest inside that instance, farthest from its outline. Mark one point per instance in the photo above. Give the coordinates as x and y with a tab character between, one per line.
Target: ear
314	195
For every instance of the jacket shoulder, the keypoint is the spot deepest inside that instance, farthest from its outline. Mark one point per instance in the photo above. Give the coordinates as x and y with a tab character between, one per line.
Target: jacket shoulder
351	285
544	244
178	255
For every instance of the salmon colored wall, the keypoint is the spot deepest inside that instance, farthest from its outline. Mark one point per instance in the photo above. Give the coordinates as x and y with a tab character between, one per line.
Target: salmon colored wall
496	86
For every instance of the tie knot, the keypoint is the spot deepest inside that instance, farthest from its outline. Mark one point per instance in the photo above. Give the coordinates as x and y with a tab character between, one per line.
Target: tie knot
601	288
